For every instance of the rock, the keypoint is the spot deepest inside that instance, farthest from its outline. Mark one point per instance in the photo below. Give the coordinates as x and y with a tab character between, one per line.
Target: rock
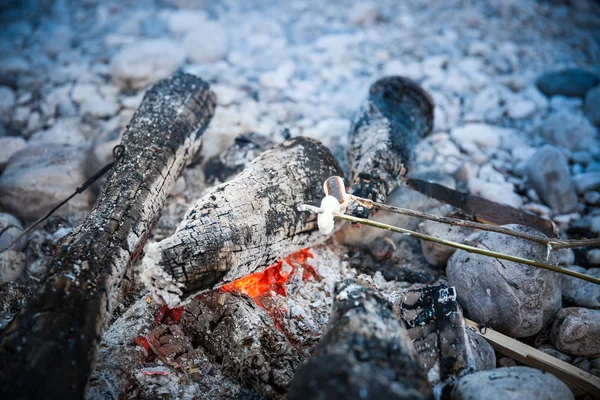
363	12
140	64
550	350
182	21
436	254
66	131
279	78
504	362
576	330
481	136
494	191
483	353
515	299
593	257
39	177
565	103
582	363
12	265
55	39
579	292
592	106
153	27
548	174
10	229
511	383
592	198
208	42
566	129
581	157
566	257
569	82
9	145
521	109
7	100
587	181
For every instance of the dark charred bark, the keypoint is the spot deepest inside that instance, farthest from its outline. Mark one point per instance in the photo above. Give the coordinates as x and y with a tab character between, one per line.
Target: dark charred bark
365	354
49	349
243	339
244	224
384	133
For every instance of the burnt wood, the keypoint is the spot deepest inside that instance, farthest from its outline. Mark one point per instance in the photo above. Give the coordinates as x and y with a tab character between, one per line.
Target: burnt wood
49	349
396	116
365	354
245	224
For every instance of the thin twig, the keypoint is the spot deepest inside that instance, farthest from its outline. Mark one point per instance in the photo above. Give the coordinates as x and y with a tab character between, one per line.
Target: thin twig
553	243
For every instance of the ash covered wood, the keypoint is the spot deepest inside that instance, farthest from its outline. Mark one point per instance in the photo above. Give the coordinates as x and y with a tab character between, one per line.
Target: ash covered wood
244	224
48	350
366	353
242	338
397	114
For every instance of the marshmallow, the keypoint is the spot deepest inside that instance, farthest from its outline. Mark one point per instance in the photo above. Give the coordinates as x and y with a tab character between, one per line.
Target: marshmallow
329	204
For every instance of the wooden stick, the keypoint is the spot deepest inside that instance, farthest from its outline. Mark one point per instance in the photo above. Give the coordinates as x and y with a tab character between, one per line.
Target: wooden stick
49	348
571	375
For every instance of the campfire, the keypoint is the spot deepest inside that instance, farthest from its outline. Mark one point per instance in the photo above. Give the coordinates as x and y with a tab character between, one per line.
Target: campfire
261	292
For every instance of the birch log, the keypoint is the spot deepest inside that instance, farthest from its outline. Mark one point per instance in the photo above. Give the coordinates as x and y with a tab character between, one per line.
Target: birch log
365	354
49	349
397	114
244	224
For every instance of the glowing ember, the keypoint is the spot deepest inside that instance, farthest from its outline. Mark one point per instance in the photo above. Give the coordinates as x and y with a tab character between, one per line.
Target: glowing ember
168	316
143	342
274	277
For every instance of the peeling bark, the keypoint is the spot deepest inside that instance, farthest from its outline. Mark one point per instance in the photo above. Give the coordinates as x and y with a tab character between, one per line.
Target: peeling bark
243	339
366	353
49	349
244	224
384	133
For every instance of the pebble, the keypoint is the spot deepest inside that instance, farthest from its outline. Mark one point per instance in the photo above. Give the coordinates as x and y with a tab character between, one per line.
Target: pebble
550	350
521	109
579	292
363	12
55	39
499	192
7	100
437	254
140	64
566	257
572	82
476	135
593	257
12	265
66	131
9	145
576	330
569	130
504	362
10	228
207	43
279	78
484	354
182	21
39	177
587	181
565	103
511	383
592	106
515	299
548	173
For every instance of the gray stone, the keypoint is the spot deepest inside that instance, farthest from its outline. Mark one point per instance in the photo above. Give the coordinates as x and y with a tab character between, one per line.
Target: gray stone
39	177
594	166
548	173
593	257
66	131
569	130
10	229
579	292
572	82
521	109
592	106
364	12
208	42
592	198
495	191
9	145
12	265
576	331
550	350
505	362
140	64
476	135
515	299
55	38
587	181
436	254
566	257
582	363
483	352
511	384
7	100
582	157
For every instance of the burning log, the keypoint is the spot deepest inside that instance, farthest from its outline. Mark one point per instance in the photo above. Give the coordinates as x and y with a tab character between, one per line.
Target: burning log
384	133
366	353
244	224
48	350
243	339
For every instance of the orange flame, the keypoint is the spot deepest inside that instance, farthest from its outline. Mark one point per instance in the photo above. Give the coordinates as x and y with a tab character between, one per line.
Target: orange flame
273	278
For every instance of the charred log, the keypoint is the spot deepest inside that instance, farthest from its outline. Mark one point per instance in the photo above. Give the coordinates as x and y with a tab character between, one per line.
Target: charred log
49	349
243	339
365	354
244	224
397	114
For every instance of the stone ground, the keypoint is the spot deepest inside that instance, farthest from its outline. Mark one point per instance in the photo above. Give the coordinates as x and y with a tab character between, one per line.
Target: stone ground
508	125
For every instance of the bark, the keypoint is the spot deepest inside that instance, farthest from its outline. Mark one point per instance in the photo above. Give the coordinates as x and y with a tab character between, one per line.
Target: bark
49	349
242	338
396	116
244	224
365	354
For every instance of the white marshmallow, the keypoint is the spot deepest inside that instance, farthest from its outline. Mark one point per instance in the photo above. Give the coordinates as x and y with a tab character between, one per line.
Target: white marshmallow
329	204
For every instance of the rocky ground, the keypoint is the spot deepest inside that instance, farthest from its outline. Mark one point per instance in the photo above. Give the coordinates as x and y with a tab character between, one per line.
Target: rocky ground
517	114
